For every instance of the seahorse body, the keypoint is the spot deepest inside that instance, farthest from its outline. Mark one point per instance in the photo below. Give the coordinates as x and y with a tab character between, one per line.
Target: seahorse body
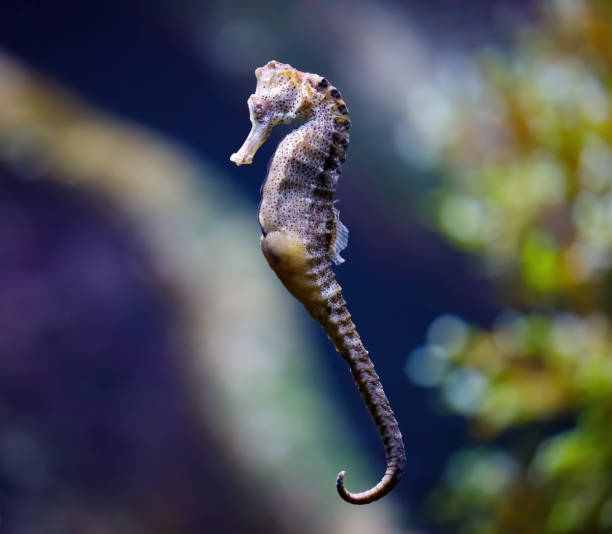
302	233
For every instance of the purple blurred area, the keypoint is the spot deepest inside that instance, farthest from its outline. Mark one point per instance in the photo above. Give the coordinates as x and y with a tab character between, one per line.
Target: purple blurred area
96	431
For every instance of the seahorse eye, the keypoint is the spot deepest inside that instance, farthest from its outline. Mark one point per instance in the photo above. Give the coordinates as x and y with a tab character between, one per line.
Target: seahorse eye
258	110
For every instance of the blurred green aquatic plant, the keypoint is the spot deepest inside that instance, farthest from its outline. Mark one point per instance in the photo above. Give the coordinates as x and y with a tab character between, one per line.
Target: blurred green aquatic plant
527	369
531	157
528	187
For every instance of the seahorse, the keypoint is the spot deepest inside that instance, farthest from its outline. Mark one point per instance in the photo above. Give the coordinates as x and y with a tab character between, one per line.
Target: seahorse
301	230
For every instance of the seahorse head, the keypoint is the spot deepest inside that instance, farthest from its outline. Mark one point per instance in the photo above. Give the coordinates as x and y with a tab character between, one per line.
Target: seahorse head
282	95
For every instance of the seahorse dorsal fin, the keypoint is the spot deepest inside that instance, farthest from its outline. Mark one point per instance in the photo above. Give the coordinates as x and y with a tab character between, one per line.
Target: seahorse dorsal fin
339	240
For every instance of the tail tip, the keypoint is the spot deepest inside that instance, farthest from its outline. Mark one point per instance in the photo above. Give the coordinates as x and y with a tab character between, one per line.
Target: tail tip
346	496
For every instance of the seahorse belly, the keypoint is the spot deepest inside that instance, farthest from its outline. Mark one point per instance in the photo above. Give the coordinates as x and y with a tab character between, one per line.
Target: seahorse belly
290	260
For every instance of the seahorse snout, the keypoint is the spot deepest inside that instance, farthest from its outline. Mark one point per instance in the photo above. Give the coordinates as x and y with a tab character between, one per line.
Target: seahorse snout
258	134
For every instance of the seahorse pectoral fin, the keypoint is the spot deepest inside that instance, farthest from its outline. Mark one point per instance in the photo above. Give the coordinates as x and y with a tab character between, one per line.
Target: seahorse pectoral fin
258	134
339	239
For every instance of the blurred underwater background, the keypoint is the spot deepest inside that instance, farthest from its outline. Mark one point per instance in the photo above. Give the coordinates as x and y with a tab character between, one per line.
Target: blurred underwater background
154	374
